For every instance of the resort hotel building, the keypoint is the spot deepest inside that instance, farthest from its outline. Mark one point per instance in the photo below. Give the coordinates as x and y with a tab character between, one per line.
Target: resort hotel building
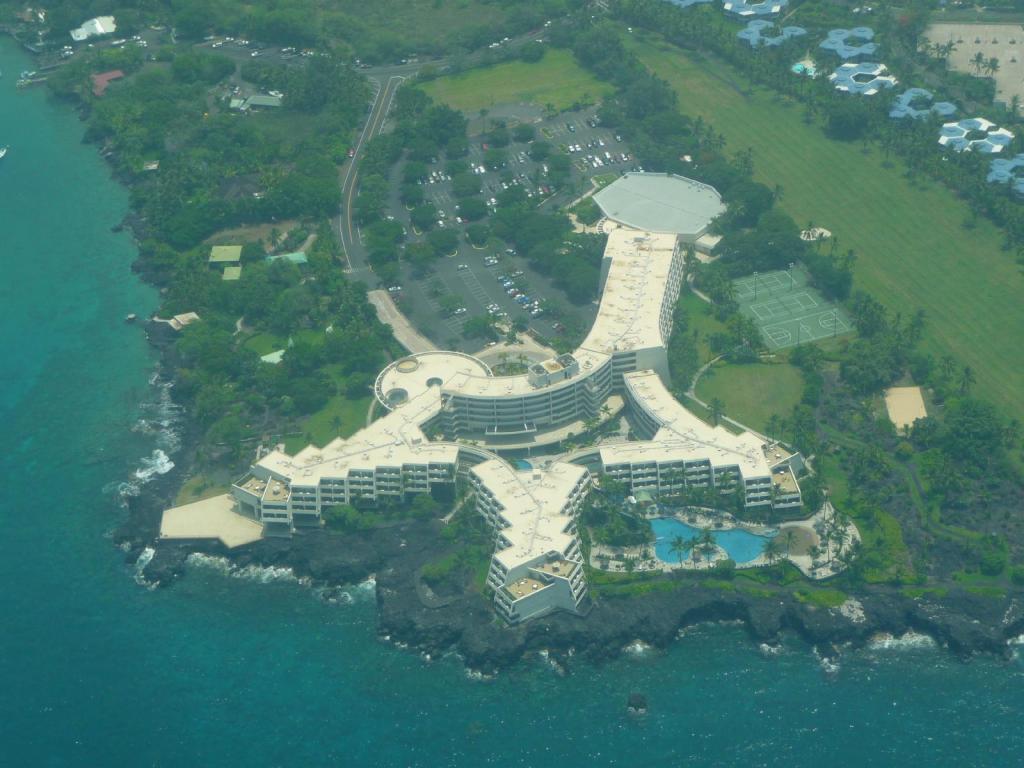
445	414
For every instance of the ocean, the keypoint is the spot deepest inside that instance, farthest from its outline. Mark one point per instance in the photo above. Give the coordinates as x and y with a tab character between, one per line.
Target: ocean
252	668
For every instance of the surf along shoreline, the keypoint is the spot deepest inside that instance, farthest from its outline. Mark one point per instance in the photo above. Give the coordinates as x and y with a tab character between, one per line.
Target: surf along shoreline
409	614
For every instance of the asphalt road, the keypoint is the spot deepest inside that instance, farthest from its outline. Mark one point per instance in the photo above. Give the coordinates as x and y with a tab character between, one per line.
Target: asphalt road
386	88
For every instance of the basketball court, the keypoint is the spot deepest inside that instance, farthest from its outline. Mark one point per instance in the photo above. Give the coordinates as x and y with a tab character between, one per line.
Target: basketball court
788	310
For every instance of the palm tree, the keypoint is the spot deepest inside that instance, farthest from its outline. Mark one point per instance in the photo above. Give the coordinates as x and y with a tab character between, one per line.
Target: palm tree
773	550
967	379
790	536
992	66
706	542
679	547
717	409
773	425
978	62
948	366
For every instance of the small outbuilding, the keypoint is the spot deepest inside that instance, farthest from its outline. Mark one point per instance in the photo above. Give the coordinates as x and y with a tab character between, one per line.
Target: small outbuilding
224	255
97	27
101	80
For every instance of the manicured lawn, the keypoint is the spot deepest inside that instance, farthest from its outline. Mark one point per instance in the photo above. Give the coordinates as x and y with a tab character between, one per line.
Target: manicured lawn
430	23
264	343
912	250
699	313
201	487
556	80
340	416
753	392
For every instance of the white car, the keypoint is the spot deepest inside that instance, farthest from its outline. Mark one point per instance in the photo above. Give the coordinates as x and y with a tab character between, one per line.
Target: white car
463	266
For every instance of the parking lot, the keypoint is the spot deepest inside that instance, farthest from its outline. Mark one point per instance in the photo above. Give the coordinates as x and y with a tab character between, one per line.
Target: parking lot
466	284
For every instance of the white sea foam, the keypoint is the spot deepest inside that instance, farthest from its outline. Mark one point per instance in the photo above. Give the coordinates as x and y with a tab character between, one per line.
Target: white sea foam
140	566
637	648
770	650
908	641
161	417
264	574
828	665
478	676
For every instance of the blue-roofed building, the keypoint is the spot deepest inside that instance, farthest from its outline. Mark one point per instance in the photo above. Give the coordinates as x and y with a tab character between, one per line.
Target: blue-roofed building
839	41
917	104
975	134
688	3
746	9
1004	171
764	32
866	78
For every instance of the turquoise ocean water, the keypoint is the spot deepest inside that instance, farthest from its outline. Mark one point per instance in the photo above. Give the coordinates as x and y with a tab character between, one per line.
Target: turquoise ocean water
220	670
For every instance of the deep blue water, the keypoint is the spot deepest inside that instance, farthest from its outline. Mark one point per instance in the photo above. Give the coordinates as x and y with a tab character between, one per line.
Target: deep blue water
220	671
741	546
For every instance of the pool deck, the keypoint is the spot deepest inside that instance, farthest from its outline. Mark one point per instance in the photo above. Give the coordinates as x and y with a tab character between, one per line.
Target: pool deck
213	518
809	567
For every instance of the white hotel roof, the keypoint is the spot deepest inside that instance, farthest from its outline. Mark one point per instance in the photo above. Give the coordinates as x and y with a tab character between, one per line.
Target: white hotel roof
535	506
661	202
630	312
682	435
393	440
628	318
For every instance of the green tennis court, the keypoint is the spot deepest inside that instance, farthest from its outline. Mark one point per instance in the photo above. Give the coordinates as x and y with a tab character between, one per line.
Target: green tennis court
787	309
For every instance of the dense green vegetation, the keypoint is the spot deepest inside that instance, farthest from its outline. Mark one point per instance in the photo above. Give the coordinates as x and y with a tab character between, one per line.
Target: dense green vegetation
378	32
555	82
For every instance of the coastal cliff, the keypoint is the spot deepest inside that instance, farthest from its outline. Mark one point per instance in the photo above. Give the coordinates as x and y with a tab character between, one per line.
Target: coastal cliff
409	613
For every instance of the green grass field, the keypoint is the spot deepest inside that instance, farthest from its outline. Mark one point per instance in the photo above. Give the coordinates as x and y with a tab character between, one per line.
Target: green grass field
556	80
912	250
421	22
752	392
340	416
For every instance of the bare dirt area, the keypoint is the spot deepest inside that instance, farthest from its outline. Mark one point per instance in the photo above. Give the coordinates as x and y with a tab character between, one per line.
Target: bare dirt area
1003	42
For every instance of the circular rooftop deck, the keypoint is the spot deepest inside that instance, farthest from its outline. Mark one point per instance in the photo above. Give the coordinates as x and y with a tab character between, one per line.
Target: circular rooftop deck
410	377
660	202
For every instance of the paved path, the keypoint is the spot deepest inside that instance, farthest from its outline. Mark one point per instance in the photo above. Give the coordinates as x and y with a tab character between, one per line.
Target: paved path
403	330
350	181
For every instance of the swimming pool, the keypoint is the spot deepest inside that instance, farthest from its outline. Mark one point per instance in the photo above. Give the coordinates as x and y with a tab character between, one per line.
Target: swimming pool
741	546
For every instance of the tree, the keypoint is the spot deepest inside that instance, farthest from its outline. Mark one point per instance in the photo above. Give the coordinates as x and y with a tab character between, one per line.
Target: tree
424	216
480	327
473	209
539	151
424	506
967	379
717	409
679	548
523	133
772	550
443	241
478	233
495	159
465	184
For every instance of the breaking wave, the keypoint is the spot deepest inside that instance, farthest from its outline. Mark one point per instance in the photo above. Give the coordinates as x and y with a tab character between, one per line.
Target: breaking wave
910	640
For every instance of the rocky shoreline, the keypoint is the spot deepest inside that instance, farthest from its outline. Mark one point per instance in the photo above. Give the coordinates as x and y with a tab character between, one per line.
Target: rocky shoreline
410	615
963	622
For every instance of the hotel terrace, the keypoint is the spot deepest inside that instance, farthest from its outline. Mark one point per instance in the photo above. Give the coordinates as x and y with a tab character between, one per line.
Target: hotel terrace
621	366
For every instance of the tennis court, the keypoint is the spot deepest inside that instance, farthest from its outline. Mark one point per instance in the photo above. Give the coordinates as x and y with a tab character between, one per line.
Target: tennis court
788	310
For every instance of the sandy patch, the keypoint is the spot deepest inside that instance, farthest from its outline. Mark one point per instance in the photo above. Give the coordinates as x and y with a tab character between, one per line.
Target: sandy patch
905	406
1004	42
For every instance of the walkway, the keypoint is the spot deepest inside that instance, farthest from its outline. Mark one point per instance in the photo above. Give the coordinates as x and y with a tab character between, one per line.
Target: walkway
404	332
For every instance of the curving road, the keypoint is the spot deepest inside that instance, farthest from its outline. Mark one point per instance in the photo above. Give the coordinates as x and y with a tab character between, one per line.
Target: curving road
374	125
